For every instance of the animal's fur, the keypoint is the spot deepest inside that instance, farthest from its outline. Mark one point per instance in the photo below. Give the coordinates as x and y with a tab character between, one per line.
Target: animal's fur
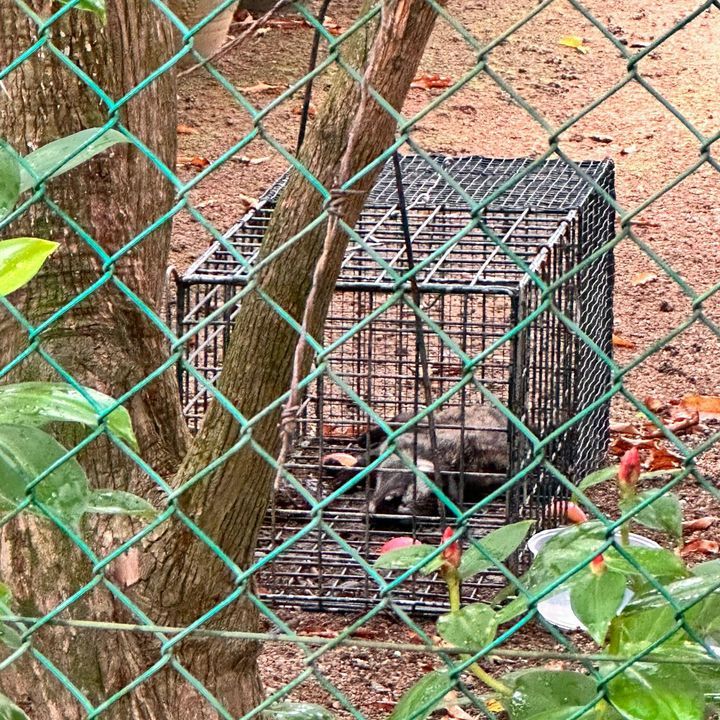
467	453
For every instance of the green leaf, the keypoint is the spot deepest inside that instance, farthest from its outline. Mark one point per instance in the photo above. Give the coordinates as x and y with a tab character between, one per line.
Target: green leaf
10	711
599	476
663	565
427	693
563	552
299	711
548	694
596	599
34	404
709	568
45	159
93	6
404	558
683	592
472	627
513	609
634	630
27	452
10	637
664	512
646	691
9	182
20	260
119	502
499	544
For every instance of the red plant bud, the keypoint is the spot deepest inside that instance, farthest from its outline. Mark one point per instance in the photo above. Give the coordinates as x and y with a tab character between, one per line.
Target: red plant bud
597	565
397	543
452	553
629	471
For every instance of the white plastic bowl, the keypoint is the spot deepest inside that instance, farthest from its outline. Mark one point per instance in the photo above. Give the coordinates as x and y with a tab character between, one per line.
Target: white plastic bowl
557	609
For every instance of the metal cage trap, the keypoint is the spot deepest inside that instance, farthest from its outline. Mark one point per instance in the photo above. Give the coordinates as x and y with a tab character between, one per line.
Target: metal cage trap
472	291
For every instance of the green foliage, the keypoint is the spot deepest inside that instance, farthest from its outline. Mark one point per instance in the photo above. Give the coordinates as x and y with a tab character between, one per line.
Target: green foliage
10	711
20	260
9	182
597	477
499	544
26	453
472	627
119	502
423	697
298	711
53	159
657	692
596	599
548	694
93	6
403	558
35	404
663	513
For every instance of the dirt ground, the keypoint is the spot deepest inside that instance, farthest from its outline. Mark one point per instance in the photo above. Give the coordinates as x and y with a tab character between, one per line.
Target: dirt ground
649	145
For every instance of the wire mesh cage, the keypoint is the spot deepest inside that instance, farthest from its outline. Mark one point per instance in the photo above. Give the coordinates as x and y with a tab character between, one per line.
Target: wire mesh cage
475	330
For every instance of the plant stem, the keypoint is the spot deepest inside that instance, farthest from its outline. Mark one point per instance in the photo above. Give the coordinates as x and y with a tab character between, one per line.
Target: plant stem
490	681
452	580
624	534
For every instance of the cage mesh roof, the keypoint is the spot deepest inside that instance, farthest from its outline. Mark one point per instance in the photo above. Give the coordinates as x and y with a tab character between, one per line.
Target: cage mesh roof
527	218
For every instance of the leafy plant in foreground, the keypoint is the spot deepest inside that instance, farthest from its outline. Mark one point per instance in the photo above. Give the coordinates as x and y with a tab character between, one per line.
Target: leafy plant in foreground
669	630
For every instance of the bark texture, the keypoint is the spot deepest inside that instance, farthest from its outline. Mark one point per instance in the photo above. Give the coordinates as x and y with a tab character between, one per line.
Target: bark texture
105	342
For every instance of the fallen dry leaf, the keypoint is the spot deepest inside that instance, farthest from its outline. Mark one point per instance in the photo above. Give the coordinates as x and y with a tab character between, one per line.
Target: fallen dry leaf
287	23
431	81
575	42
654	405
702	523
624	429
195	161
604	139
621	342
455	711
262	31
247	199
629	150
643	278
494	706
681	424
702	547
245	160
663	459
186	130
708	406
619	444
261	87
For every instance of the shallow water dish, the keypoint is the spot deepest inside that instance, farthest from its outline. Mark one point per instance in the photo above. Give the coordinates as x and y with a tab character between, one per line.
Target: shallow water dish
557	609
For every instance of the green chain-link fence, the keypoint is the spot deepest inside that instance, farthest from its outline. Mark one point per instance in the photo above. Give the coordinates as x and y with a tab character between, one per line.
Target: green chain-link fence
656	658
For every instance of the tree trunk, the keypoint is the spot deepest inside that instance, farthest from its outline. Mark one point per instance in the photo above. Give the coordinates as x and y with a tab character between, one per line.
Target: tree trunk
105	342
229	504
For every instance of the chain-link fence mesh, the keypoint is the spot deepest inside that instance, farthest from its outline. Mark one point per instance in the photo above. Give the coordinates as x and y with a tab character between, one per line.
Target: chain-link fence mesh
467	282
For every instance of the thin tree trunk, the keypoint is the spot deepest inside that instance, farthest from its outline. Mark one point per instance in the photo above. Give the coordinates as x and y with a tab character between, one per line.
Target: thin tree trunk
229	504
105	342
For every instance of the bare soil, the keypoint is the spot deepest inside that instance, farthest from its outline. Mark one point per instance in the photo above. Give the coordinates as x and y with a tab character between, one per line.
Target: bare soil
650	145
